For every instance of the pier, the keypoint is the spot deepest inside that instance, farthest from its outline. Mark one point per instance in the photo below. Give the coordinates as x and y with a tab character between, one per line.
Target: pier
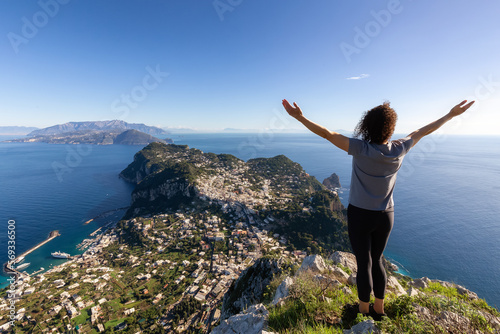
105	214
37	272
95	232
88	221
52	235
8	269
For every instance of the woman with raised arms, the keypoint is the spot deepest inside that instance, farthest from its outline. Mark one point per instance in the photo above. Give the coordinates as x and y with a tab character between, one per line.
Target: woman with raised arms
375	163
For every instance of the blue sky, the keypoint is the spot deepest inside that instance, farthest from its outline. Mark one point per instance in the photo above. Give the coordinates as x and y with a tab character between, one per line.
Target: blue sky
211	65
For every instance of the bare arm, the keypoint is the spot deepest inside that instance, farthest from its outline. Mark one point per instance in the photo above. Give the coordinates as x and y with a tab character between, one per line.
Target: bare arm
335	138
431	127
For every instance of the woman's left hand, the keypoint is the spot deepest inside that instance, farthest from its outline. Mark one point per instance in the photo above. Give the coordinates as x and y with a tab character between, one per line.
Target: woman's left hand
292	111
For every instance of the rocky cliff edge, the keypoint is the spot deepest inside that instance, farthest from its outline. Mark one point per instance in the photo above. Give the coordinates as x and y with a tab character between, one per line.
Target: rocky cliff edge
320	297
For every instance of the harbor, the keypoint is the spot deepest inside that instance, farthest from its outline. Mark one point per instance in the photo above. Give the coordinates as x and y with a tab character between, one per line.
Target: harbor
86	243
7	267
17	267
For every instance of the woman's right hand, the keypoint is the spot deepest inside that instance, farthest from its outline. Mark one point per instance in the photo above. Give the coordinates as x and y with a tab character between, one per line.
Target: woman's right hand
460	108
292	111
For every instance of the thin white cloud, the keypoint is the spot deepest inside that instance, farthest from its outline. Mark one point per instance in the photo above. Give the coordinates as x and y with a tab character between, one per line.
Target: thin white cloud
361	76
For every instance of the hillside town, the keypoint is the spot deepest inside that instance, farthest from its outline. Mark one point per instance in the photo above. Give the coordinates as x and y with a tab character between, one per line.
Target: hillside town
198	253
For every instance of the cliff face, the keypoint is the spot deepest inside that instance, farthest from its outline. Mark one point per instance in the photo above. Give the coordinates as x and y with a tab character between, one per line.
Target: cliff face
165	195
162	180
149	160
250	286
138	169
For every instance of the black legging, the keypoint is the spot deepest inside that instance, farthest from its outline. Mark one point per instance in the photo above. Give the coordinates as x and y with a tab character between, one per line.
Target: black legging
369	232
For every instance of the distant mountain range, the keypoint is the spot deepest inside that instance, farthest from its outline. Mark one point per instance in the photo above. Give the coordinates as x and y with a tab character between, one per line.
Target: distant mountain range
95	137
16	130
97	126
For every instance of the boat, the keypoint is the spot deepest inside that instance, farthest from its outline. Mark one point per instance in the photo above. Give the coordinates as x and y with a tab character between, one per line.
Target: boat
23	266
19	260
60	255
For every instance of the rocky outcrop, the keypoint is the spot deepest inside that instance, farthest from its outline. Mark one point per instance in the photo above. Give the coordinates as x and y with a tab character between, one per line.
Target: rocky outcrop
461	318
352	279
394	286
455	322
282	291
421	283
251	321
249	288
424	282
345	259
332	182
327	280
365	327
412	291
314	263
341	275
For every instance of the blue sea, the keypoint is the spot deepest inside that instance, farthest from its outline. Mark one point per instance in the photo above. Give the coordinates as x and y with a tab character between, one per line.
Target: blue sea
447	223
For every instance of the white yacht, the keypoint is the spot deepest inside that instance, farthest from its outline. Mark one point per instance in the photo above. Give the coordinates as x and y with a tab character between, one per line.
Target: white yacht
60	255
23	266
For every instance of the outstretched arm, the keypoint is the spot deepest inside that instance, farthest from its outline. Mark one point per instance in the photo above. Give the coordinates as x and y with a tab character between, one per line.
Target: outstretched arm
335	138
457	110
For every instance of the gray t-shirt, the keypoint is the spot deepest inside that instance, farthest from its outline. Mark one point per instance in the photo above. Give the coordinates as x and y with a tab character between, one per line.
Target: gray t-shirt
374	170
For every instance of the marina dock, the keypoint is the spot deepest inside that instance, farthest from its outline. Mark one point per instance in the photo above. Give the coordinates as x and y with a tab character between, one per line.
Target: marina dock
52	235
37	272
95	232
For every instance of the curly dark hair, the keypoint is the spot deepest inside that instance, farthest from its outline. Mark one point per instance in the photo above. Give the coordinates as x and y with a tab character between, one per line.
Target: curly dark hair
377	125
